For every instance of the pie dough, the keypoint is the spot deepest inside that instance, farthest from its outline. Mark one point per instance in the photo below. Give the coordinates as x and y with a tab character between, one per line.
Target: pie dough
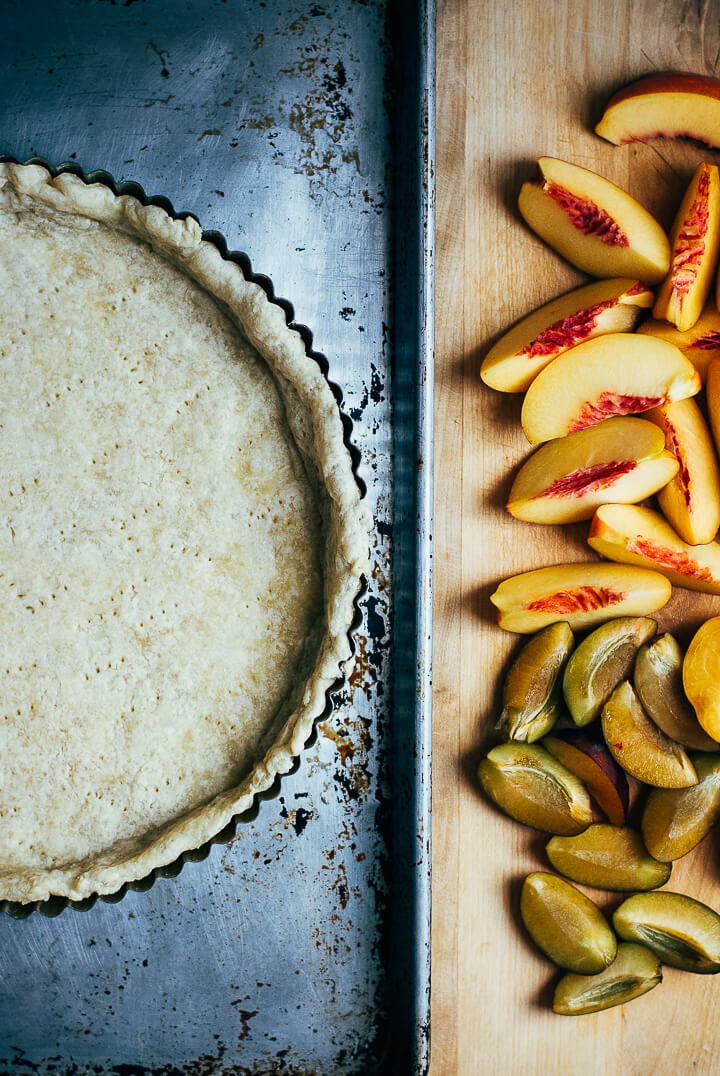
181	538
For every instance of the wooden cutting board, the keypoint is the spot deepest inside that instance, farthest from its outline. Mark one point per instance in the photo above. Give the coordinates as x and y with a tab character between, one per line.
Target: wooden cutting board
516	81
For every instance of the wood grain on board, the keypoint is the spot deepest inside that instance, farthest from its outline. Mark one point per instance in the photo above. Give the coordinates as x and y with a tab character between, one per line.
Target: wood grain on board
516	81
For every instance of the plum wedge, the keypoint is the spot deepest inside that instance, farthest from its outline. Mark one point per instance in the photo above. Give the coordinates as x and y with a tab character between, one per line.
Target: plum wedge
592	223
694	241
700	344
629	534
620	374
581	594
606	306
691	500
638	745
622	460
666	104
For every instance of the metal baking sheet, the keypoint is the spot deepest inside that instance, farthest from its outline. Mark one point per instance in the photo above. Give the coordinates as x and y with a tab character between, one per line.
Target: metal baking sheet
303	134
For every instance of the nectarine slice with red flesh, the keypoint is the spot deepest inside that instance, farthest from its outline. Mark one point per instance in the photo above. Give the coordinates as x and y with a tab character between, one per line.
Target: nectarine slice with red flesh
622	460
700	344
582	594
604	307
590	760
593	224
619	374
691	500
667	104
694	239
629	534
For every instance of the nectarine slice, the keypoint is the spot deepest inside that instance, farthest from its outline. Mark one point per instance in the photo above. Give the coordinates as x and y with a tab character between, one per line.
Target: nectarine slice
667	104
622	460
700	344
701	675
590	760
638	745
629	534
712	396
607	306
619	374
695	241
691	500
593	224
581	594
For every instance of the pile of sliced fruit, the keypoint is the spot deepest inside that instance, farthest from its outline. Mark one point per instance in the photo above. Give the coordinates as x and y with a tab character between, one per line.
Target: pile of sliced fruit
633	703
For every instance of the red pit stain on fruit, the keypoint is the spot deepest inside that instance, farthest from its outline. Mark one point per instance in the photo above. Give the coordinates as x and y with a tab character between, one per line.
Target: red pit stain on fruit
638	288
589	479
708	342
690	243
566	332
587	217
672	444
612	403
668	558
582	600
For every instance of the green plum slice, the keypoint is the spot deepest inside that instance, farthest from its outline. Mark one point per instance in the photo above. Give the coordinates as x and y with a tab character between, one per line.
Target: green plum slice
604	658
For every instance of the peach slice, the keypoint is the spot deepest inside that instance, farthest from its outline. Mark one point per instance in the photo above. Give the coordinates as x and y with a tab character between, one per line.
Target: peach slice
667	104
701	675
608	306
622	460
593	224
629	534
638	745
590	760
712	395
691	500
695	241
619	374
700	344
581	594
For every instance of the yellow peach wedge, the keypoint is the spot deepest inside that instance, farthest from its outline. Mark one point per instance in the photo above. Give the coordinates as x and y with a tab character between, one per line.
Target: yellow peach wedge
700	344
701	675
581	594
712	396
606	306
629	534
622	460
666	104
695	242
593	224
619	374
691	501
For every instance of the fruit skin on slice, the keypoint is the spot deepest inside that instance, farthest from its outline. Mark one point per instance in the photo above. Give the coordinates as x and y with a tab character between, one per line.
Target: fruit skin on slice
675	820
694	241
581	594
691	500
604	658
701	675
592	223
606	306
589	759
682	932
700	344
666	104
566	925
638	745
657	678
607	857
619	374
630	534
531	786
634	972
622	460
713	399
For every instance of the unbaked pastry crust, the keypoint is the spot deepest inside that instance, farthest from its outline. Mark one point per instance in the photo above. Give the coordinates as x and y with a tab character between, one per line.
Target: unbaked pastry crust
308	463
